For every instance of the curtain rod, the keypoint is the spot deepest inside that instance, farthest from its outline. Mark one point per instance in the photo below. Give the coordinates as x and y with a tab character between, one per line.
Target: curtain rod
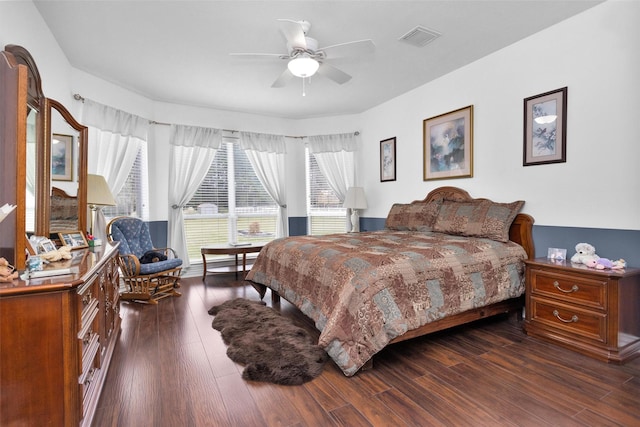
79	97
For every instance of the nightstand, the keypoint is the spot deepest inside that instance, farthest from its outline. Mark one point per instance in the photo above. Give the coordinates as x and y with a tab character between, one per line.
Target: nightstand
594	312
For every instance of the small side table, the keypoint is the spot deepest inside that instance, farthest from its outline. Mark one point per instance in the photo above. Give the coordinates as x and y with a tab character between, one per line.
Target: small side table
593	312
227	249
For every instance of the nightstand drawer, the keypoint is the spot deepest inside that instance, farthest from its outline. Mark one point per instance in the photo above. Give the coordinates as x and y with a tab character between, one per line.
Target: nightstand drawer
573	320
576	289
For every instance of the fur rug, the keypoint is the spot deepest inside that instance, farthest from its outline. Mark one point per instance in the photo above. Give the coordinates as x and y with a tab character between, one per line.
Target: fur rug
270	346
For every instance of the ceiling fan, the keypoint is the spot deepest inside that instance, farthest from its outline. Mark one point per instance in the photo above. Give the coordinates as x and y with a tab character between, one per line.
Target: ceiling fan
304	58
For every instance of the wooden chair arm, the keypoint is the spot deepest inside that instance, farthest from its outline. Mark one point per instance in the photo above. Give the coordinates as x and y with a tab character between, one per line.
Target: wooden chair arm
129	265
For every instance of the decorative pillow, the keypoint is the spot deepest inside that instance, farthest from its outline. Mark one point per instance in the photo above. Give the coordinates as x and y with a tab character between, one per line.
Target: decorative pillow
412	216
477	218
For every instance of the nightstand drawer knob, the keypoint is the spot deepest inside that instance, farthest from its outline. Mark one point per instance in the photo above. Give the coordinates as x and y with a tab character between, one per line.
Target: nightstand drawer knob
574	288
573	319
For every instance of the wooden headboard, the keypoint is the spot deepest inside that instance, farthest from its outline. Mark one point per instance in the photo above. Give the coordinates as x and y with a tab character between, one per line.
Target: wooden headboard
64	211
520	232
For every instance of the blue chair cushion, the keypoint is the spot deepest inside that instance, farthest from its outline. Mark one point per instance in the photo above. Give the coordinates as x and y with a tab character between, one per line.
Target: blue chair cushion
157	267
133	235
135	239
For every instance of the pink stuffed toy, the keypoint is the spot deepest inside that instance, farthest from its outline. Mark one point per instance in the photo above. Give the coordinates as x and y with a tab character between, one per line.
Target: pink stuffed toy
606	264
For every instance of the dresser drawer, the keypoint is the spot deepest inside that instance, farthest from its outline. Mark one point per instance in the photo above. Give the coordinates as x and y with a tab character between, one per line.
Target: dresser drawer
574	289
570	319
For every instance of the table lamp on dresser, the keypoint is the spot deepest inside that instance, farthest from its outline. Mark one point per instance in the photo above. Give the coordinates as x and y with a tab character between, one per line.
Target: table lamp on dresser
98	195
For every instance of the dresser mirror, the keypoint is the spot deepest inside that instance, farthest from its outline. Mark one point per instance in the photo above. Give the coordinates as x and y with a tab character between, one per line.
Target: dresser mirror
48	123
67	142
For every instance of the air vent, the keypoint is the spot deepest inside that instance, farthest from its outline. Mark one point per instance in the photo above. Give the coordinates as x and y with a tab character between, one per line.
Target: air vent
420	36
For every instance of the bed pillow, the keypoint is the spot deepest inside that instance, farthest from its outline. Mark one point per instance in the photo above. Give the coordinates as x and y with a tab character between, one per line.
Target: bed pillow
412	216
477	218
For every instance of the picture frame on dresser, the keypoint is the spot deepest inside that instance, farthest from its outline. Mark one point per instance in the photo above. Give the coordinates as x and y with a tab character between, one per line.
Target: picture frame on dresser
388	160
545	128
62	157
46	245
448	145
75	239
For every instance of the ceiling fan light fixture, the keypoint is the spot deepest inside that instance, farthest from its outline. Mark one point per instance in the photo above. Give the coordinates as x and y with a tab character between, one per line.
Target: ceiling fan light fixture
303	66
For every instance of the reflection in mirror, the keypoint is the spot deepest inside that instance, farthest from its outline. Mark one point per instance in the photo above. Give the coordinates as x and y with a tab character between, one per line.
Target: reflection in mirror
68	171
30	201
64	176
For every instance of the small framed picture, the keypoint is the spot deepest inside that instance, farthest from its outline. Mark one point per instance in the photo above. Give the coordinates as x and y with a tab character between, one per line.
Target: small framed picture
46	245
388	160
448	145
61	157
557	254
75	239
545	128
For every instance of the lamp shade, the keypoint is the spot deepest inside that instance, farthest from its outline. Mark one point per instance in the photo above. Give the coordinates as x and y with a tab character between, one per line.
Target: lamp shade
98	192
355	198
303	66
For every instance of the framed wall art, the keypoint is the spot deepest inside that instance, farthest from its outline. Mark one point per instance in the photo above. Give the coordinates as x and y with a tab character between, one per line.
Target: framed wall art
388	160
545	128
75	239
61	157
448	145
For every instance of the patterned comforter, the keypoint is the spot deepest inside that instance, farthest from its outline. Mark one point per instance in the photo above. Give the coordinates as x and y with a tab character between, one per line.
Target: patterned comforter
363	290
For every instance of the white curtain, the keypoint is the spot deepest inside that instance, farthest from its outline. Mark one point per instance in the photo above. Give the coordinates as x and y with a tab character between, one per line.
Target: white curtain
115	137
335	155
192	151
267	156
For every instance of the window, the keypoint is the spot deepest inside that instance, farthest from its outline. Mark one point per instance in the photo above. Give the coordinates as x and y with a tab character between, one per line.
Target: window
324	210
133	198
230	205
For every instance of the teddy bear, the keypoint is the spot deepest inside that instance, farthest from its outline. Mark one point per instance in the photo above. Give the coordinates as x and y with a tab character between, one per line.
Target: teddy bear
584	253
7	273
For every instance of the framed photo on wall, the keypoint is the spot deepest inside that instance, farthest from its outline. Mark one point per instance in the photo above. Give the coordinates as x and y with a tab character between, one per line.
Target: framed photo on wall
448	145
75	239
545	128
388	160
61	157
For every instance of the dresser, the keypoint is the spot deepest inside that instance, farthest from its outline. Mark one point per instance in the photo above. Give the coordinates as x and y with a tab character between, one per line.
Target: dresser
594	312
57	336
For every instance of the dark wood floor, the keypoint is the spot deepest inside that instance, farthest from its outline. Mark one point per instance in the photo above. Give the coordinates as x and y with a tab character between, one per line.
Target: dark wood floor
170	369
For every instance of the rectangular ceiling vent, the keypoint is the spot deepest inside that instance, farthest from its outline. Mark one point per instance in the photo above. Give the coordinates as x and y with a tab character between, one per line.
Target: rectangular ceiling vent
420	36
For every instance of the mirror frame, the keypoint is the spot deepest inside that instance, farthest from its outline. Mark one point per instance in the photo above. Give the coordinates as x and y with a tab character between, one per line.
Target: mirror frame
43	221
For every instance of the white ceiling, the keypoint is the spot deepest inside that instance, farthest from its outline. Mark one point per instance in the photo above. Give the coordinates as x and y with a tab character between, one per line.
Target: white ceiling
178	51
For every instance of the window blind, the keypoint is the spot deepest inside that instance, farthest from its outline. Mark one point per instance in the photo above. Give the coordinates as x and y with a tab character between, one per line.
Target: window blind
324	211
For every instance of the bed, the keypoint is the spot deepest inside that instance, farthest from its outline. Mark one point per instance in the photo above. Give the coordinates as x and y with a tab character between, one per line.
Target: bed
440	262
63	211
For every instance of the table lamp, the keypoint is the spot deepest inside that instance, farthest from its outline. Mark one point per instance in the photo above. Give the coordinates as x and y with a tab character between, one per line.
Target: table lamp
98	194
355	200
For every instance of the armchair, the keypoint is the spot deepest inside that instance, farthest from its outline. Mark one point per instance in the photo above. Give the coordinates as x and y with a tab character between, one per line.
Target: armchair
144	280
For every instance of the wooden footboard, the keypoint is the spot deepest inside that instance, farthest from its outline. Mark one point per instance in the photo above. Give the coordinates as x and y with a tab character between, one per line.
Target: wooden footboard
510	305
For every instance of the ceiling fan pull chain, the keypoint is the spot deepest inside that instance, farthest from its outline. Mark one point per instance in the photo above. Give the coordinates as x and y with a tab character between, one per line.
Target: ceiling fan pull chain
304	93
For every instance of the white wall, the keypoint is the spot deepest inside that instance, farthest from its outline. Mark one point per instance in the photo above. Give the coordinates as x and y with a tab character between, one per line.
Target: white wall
594	54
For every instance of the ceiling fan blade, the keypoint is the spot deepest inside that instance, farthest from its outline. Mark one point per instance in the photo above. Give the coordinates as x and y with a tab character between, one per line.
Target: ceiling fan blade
333	73
283	79
264	55
359	47
293	33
